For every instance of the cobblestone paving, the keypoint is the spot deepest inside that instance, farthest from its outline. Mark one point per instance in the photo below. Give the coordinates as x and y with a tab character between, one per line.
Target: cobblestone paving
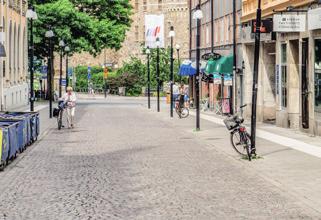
123	163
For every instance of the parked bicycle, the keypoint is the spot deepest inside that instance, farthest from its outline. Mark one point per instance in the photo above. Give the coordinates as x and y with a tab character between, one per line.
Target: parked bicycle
240	138
58	113
180	108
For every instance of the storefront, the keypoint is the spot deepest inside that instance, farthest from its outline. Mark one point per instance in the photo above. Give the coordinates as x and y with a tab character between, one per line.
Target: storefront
298	70
266	99
220	71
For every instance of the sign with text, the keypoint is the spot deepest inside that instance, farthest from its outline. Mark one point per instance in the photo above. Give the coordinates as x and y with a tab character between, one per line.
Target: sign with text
314	19
266	26
228	80
217	79
154	28
289	22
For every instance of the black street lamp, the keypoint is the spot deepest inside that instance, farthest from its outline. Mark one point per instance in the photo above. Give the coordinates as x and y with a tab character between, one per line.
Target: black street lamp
255	76
172	35
198	15
31	15
50	35
62	47
157	73
148	75
67	50
178	47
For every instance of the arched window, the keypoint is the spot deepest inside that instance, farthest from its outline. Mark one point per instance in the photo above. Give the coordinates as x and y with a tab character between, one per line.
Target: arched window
24	51
19	53
10	49
15	54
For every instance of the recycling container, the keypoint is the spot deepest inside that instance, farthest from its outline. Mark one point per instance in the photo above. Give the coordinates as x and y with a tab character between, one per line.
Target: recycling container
21	132
24	123
4	147
33	120
12	134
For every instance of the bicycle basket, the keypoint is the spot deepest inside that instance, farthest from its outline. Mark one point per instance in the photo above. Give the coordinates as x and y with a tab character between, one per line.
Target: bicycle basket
230	123
55	112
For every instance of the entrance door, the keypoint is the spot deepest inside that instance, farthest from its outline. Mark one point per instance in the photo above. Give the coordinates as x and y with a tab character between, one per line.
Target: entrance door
304	84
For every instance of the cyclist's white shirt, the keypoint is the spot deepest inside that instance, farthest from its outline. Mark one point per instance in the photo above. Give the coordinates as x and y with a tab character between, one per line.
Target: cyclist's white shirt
70	100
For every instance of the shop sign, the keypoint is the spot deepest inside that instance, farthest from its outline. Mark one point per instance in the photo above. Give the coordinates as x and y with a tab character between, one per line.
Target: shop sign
217	79
228	80
266	26
289	22
314	19
214	56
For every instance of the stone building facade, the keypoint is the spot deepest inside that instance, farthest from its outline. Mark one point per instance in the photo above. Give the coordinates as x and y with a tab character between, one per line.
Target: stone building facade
176	13
14	67
290	66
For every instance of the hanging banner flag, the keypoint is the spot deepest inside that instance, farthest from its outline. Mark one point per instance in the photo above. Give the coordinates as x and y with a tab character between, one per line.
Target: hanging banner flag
289	22
154	28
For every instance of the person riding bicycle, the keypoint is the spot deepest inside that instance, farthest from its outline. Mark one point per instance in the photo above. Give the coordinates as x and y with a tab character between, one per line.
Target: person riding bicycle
180	97
70	102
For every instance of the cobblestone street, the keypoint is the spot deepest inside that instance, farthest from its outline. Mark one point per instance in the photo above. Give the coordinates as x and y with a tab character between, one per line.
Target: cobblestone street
125	162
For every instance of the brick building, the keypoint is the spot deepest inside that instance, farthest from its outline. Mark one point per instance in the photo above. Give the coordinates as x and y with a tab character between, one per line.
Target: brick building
220	37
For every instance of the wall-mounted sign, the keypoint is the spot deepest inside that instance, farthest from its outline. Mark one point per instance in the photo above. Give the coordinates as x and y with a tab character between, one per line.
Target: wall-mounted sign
217	79
228	80
154	28
289	22
314	19
266	26
208	56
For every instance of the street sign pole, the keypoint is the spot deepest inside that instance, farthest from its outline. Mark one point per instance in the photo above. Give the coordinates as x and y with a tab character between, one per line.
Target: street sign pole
255	76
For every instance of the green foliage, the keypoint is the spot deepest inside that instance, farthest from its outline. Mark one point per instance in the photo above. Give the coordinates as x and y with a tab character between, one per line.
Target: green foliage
97	77
84	25
131	75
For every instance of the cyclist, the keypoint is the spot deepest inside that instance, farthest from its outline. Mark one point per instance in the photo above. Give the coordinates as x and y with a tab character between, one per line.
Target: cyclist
70	101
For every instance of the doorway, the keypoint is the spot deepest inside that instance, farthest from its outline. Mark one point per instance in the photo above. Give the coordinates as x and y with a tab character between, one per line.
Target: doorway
304	83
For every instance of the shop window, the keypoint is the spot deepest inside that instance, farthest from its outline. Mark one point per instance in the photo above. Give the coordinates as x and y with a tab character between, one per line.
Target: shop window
284	80
317	75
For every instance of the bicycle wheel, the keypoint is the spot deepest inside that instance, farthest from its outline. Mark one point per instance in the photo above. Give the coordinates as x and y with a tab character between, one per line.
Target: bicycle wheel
59	120
184	112
241	144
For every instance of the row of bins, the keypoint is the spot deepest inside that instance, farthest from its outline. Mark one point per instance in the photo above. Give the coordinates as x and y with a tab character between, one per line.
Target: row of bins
17	131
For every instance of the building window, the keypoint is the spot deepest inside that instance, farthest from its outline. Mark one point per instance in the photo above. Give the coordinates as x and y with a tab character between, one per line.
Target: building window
317	75
284	76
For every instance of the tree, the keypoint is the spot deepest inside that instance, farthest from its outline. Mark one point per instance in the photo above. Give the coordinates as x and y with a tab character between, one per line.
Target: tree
80	26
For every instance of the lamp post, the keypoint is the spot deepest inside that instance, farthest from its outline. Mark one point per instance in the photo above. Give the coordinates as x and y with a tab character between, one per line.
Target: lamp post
50	35
67	50
178	47
31	15
148	75
255	76
198	15
157	73
62	47
233	90
172	35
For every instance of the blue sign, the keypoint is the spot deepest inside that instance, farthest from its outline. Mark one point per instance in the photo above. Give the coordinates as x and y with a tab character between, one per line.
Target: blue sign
70	71
89	73
44	69
63	82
